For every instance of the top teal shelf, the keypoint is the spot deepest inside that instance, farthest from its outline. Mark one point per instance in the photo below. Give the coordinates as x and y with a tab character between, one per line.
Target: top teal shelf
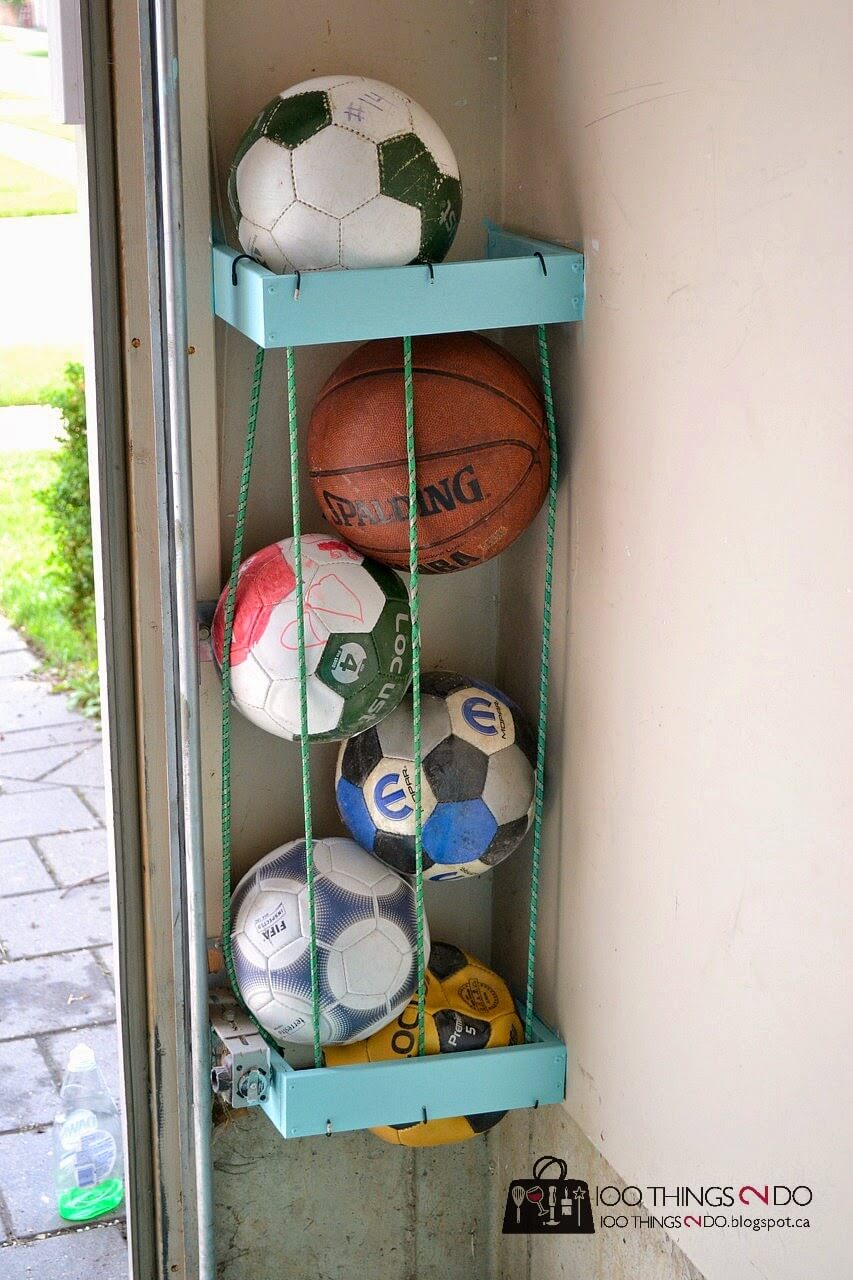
519	282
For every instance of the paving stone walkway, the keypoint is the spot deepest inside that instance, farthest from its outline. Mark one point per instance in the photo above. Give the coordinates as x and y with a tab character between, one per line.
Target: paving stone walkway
55	962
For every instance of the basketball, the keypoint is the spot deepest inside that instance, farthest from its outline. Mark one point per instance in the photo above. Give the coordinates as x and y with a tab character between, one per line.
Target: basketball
481	443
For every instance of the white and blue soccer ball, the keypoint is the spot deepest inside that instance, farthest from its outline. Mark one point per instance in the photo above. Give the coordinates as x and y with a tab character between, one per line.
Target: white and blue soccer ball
366	942
478	755
343	171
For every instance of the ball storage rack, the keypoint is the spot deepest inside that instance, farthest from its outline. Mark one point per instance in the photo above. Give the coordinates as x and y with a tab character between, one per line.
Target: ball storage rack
520	282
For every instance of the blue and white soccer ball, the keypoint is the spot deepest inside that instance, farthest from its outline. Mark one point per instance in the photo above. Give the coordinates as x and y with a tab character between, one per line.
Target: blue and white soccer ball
478	754
366	942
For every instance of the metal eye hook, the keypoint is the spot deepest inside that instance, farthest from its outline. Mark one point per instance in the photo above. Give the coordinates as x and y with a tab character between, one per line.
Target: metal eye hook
234	261
328	1128
298	286
431	269
536	1105
424	1114
538	255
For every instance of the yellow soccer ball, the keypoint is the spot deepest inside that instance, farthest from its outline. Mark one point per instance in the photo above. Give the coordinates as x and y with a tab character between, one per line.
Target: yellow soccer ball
467	1007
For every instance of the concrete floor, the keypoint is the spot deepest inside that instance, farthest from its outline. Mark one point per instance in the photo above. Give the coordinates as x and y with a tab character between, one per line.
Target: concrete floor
55	962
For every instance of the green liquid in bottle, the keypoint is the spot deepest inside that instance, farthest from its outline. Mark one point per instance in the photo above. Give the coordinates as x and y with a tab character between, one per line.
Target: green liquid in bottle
81	1204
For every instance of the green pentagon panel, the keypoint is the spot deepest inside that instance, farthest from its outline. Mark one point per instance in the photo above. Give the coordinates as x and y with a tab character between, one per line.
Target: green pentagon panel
408	172
348	664
294	120
370	704
391	641
440	219
254	131
392	636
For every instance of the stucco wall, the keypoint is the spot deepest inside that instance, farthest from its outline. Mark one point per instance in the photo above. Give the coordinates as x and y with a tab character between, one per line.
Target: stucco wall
695	931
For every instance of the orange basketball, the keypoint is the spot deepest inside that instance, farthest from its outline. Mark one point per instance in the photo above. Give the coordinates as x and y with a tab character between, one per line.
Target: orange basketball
481	446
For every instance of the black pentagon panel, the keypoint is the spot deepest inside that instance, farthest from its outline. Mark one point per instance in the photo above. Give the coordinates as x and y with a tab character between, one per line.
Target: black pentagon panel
401	1128
442	683
504	841
398	852
445	960
487	1120
361	754
456	770
459	1032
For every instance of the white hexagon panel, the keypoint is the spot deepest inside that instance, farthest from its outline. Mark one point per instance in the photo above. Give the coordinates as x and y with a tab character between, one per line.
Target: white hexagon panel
370	108
508	792
372	967
481	719
265	183
389	793
277	651
382	232
275	924
324	706
395	731
345	598
318	83
307	238
336	171
250	684
260	244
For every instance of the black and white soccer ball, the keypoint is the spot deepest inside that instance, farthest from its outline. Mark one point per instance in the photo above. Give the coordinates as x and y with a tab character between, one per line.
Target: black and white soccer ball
366	942
478	753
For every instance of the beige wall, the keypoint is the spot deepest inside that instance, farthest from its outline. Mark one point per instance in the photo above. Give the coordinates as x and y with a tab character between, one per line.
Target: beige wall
697	881
695	867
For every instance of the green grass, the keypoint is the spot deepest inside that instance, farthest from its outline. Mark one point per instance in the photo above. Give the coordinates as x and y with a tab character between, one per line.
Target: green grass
30	597
26	192
40	124
30	113
36	53
28	373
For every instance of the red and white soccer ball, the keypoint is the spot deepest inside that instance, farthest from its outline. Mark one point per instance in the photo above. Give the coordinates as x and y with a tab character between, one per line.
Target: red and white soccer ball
358	647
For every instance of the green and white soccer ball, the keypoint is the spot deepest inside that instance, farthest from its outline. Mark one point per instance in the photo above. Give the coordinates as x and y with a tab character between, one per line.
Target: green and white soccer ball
343	171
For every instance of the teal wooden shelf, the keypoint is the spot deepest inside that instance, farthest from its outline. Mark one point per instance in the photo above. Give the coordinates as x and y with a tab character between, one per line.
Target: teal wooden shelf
520	282
302	1103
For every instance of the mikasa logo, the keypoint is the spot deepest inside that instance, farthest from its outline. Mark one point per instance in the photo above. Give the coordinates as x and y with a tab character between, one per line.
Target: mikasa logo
460	489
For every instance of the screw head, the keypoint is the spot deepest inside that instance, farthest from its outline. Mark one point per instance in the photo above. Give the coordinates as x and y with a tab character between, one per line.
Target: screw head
253	1085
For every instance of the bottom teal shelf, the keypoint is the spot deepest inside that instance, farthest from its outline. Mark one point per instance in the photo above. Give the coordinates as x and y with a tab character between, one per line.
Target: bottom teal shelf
328	1100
